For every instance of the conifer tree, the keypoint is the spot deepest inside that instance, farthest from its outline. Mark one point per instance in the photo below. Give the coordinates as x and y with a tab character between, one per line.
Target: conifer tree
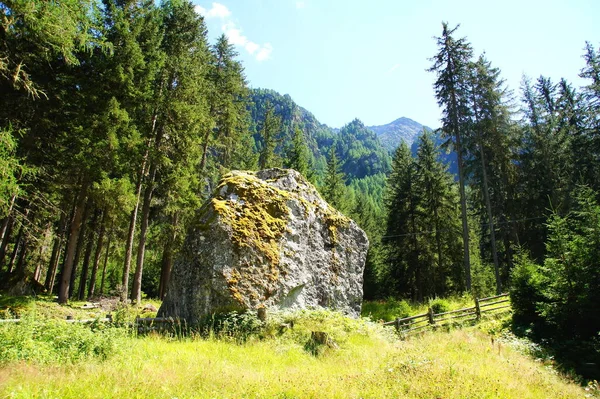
546	162
269	132
298	154
334	187
491	164
401	241
439	214
451	65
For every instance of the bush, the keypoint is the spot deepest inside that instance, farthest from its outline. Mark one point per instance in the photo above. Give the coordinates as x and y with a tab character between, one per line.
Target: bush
439	305
525	290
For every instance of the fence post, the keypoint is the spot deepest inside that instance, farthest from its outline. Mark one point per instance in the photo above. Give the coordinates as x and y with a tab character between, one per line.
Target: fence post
430	314
477	308
397	324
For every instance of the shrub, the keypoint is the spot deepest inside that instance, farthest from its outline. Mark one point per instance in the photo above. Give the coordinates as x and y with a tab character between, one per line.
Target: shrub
439	305
525	291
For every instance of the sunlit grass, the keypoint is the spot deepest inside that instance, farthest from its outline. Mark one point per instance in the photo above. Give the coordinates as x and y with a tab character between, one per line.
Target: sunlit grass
459	364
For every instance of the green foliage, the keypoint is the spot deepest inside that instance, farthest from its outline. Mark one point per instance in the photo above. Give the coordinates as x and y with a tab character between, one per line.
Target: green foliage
439	305
563	292
54	341
334	188
10	171
525	291
270	134
386	310
422	247
297	157
361	152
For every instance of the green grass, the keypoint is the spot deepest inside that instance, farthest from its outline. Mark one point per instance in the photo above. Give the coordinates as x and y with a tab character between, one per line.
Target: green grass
366	361
391	308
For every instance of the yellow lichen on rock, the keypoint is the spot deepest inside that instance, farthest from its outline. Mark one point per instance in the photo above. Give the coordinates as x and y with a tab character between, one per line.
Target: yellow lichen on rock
258	215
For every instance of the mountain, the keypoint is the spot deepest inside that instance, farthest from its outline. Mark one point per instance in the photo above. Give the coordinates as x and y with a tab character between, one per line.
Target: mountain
403	128
359	150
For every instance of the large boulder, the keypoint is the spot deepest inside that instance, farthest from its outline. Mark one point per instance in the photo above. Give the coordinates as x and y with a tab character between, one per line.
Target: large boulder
264	240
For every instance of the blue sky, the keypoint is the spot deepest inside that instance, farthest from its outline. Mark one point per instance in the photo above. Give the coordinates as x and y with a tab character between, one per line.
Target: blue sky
346	59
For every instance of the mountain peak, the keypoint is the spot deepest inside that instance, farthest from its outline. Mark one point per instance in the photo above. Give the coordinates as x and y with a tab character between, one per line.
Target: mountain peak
401	129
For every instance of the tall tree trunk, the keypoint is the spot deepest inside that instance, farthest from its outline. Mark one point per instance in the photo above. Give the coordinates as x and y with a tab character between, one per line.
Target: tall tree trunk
204	151
63	290
7	219
56	250
80	244
99	245
86	258
167	258
463	212
136	291
20	264
15	252
488	205
438	242
105	263
131	232
6	240
19	248
43	248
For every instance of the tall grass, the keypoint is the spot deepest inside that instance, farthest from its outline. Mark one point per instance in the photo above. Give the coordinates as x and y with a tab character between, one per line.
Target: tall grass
243	357
461	364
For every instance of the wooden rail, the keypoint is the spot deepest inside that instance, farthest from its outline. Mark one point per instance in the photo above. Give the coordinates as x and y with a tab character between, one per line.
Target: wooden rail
408	325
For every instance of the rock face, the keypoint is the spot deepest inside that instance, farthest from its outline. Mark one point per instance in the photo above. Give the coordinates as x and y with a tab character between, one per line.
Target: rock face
264	240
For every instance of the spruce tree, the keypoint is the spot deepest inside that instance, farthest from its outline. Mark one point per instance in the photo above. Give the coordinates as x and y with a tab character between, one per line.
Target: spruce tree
401	241
439	214
451	65
269	133
298	157
334	185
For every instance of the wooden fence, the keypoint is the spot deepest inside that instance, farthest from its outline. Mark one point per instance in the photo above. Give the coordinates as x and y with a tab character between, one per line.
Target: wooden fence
421	322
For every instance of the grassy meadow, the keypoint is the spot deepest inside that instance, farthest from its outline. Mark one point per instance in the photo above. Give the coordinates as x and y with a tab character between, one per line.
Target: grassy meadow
275	360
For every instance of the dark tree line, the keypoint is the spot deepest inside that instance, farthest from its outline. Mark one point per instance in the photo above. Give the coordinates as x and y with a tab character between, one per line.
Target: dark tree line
115	123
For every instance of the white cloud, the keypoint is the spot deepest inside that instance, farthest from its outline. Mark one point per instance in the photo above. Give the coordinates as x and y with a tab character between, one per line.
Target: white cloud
236	37
218	10
300	4
251	47
234	33
265	52
200	10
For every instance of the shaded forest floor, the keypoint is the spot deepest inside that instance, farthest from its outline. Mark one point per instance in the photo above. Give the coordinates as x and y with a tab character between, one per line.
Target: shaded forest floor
364	360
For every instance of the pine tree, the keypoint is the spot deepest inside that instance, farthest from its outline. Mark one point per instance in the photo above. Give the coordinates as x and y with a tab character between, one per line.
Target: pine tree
546	162
491	164
269	132
334	187
439	214
451	65
227	96
298	157
401	241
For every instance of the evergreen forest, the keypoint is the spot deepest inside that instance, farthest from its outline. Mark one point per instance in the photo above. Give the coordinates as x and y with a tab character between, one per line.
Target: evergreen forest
118	118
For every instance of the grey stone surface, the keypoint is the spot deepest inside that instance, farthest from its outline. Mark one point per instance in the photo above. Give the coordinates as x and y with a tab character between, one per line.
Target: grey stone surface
267	239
